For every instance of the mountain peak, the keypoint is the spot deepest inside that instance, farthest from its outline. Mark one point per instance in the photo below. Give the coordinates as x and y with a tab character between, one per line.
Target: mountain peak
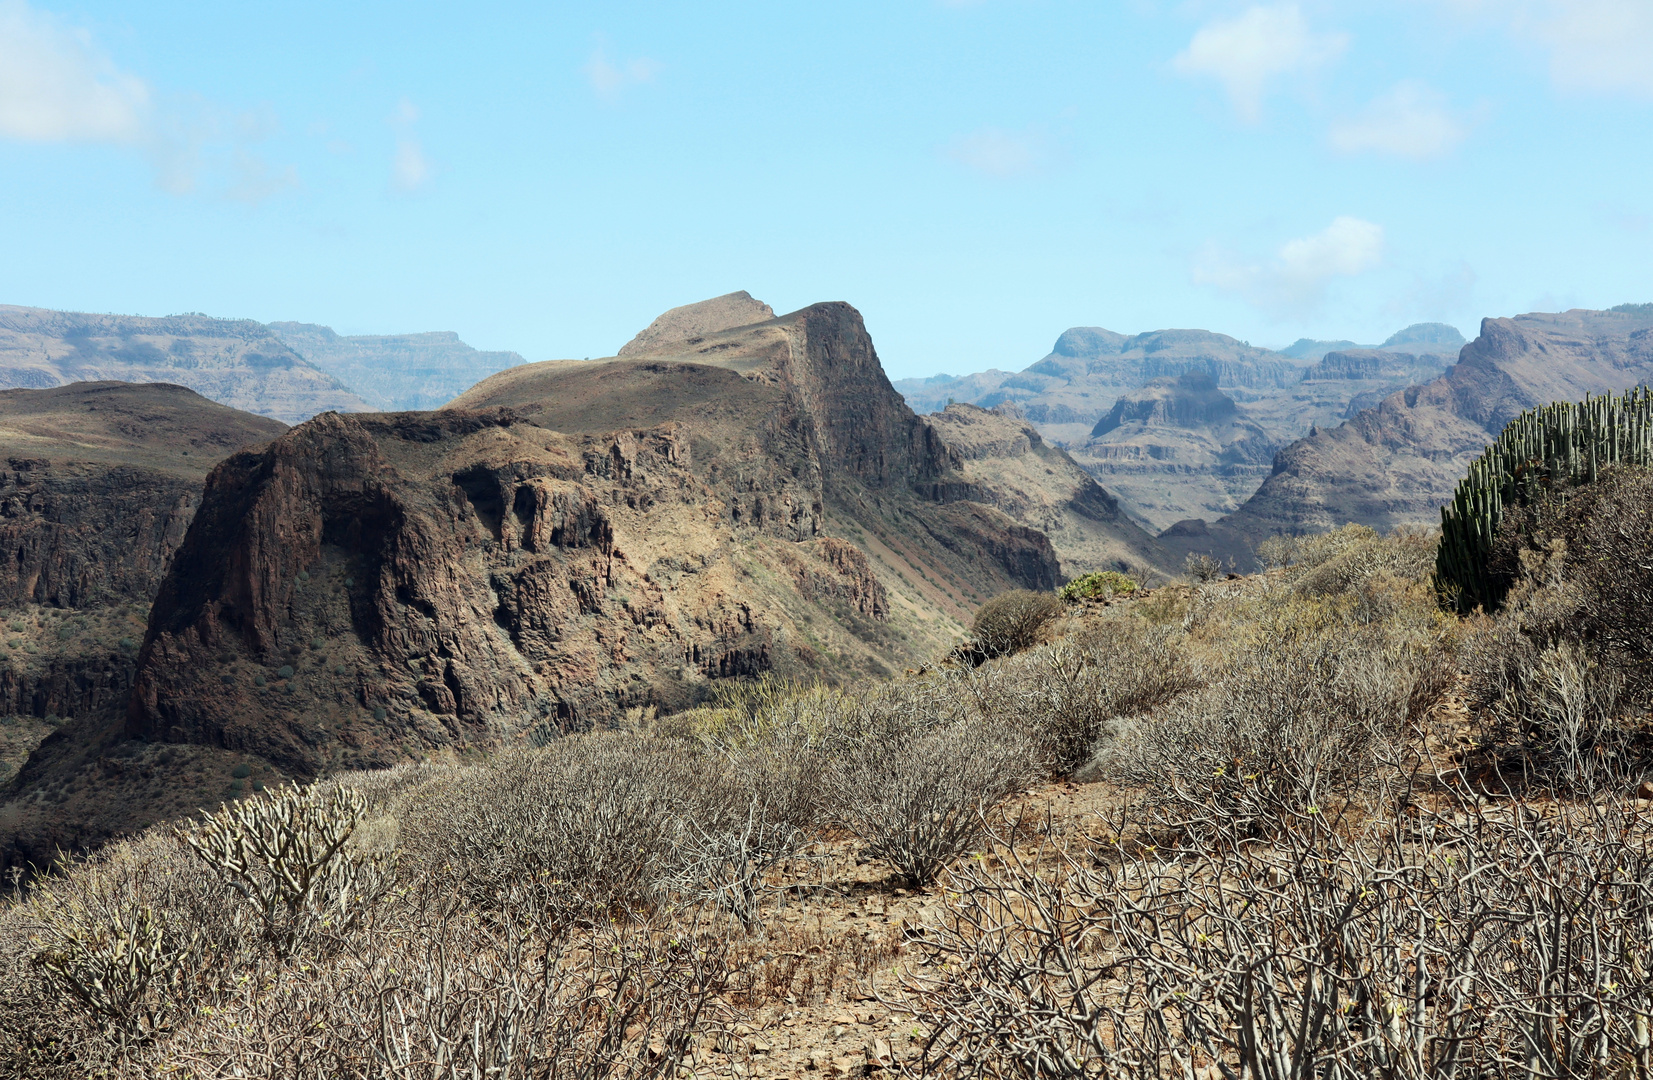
697	320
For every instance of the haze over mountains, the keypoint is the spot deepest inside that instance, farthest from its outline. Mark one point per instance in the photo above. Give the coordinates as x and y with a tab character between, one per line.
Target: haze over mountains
1209	411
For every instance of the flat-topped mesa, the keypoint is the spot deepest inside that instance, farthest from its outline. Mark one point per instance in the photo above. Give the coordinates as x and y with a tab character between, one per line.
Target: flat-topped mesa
1187	401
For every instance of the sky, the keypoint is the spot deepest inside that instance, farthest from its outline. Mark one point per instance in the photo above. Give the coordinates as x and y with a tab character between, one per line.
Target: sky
974	175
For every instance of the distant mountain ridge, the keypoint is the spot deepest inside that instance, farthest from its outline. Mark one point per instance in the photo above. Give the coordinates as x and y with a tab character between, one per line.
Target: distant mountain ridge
396	372
235	362
1397	463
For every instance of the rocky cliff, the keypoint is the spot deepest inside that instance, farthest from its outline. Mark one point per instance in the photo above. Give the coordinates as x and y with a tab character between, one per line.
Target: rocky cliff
567	544
234	362
1395	464
395	372
1176	448
99	484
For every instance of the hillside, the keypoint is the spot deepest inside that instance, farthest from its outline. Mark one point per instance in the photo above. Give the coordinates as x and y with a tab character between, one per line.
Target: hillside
100	483
235	362
395	372
1395	464
567	544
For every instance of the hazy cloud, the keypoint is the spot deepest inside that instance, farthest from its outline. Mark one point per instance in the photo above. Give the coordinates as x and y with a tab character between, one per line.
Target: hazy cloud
610	79
410	169
1295	280
1247	52
1599	45
55	86
1411	121
257	180
1001	153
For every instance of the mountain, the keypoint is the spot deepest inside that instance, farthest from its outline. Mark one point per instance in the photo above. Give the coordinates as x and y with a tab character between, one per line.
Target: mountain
99	486
693	321
236	362
1397	463
395	372
1167	472
1177	447
565	545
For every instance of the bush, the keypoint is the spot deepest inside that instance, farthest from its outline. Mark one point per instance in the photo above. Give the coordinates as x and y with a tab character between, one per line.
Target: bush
584	826
915	780
1012	621
1097	585
1288	726
286	854
1484	943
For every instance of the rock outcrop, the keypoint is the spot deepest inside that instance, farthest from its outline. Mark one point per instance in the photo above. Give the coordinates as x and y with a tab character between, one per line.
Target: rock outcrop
567	544
235	362
1177	448
396	372
1005	463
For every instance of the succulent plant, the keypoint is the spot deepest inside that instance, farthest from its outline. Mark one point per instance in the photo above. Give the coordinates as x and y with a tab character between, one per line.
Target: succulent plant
1539	454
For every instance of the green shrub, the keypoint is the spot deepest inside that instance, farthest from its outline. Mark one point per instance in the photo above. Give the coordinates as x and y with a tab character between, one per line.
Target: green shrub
1012	621
379	712
1098	585
286	671
318	644
242	771
260	680
340	670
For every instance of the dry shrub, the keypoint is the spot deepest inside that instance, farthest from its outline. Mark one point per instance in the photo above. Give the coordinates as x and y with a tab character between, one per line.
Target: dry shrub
1012	621
915	778
582	826
1560	680
1486	942
1065	694
1202	567
1297	712
464	998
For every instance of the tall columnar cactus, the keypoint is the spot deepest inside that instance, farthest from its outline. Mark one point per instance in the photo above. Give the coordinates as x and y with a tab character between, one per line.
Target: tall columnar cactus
1540	452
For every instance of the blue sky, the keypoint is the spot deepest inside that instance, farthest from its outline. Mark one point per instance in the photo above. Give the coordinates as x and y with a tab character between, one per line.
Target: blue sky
974	176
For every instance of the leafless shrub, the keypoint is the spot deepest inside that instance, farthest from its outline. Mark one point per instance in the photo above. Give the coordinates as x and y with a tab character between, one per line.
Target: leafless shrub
285	853
1202	567
585	825
1012	621
1283	728
752	807
1065	694
130	939
917	784
465	999
1479	942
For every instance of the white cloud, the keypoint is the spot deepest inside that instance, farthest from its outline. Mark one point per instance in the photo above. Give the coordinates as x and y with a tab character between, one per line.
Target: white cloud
1411	121
55	86
610	79
1001	153
1295	280
1598	45
257	180
1246	53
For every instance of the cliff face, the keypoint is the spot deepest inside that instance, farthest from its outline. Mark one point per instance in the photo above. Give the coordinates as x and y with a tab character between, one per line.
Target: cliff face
1397	463
235	362
1006	464
569	543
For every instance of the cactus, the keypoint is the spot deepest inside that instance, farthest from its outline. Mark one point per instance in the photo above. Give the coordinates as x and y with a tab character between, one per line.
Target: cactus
1540	453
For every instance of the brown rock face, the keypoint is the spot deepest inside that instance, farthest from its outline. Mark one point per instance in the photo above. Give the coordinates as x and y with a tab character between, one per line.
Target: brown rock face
1396	464
570	541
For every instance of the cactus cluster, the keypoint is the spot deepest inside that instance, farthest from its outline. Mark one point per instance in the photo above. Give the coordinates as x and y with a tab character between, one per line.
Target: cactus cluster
1541	452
